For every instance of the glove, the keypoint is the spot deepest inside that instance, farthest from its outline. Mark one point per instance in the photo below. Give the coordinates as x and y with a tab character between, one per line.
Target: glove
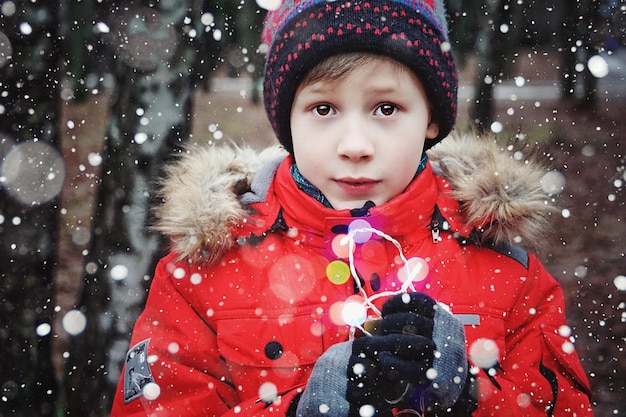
398	368
367	376
417	313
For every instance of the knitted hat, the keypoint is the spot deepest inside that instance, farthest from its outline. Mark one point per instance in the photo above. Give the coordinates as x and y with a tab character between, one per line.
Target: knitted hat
301	33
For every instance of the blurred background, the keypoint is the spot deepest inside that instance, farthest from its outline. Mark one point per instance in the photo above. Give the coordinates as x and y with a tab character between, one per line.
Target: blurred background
95	96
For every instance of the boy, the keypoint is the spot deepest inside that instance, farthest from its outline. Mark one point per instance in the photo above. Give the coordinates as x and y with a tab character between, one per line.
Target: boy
354	277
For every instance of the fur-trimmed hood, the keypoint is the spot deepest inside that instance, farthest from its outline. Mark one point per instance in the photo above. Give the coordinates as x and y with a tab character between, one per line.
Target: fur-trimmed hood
500	195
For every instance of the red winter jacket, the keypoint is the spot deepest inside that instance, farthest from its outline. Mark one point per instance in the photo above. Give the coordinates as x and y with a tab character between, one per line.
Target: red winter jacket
241	309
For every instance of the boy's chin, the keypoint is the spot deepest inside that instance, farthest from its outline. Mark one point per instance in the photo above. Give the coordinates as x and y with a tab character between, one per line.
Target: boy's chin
355	206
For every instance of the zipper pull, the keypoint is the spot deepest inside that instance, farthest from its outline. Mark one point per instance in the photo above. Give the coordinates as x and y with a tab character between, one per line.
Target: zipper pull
434	230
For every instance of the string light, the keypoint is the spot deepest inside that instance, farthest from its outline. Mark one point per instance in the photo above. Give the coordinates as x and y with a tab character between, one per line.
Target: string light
354	310
338	272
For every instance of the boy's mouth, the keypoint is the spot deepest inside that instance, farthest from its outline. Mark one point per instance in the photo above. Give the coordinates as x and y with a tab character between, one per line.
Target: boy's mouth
356	185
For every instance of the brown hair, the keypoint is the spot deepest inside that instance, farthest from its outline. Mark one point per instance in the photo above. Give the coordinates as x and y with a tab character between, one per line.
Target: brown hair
335	67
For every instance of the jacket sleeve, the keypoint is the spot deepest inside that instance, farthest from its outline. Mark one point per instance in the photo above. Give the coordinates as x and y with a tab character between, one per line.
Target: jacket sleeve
174	367
540	373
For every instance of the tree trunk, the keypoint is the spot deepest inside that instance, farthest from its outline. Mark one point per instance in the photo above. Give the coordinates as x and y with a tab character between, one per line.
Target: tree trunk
568	50
580	41
593	43
497	42
32	171
489	50
150	118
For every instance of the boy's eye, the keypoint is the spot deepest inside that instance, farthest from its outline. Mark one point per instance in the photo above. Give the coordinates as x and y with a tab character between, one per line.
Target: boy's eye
386	109
322	110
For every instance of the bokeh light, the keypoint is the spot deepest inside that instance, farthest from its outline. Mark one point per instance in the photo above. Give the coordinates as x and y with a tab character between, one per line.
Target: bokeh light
151	391
568	347
598	67
287	365
354	312
340	246
360	236
484	353
119	272
173	348
292	277
268	392
565	331
415	270
367	410
497	127
81	236
523	400
317	329
5	49
431	374
33	173
146	40
43	329
269	4
74	322
8	8
336	313
553	182
620	282
338	272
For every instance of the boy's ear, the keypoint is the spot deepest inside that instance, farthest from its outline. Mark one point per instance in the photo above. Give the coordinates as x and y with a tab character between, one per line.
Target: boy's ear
432	130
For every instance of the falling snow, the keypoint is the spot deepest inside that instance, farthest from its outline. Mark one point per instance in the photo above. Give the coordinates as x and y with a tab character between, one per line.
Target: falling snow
583	146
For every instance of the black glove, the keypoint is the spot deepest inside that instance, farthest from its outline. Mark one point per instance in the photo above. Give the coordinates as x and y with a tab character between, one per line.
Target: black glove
385	371
415	359
367	376
417	313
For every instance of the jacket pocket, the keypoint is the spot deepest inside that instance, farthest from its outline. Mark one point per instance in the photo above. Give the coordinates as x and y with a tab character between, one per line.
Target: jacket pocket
562	369
269	348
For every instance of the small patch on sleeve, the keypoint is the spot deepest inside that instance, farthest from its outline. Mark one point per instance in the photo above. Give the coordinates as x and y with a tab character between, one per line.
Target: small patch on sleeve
468	319
137	374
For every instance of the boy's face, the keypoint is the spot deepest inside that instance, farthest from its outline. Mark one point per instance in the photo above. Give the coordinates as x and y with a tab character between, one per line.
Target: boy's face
361	138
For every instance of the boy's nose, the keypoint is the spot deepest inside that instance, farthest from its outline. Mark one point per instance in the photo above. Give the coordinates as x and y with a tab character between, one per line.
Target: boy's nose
354	141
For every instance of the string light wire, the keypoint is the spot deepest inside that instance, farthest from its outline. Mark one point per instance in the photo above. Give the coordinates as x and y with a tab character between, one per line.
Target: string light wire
368	300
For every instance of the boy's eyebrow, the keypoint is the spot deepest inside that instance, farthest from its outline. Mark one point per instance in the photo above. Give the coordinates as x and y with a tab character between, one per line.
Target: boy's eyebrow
323	88
384	89
318	87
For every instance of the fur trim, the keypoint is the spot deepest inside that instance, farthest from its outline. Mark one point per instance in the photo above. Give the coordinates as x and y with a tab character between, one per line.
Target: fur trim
500	195
200	195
